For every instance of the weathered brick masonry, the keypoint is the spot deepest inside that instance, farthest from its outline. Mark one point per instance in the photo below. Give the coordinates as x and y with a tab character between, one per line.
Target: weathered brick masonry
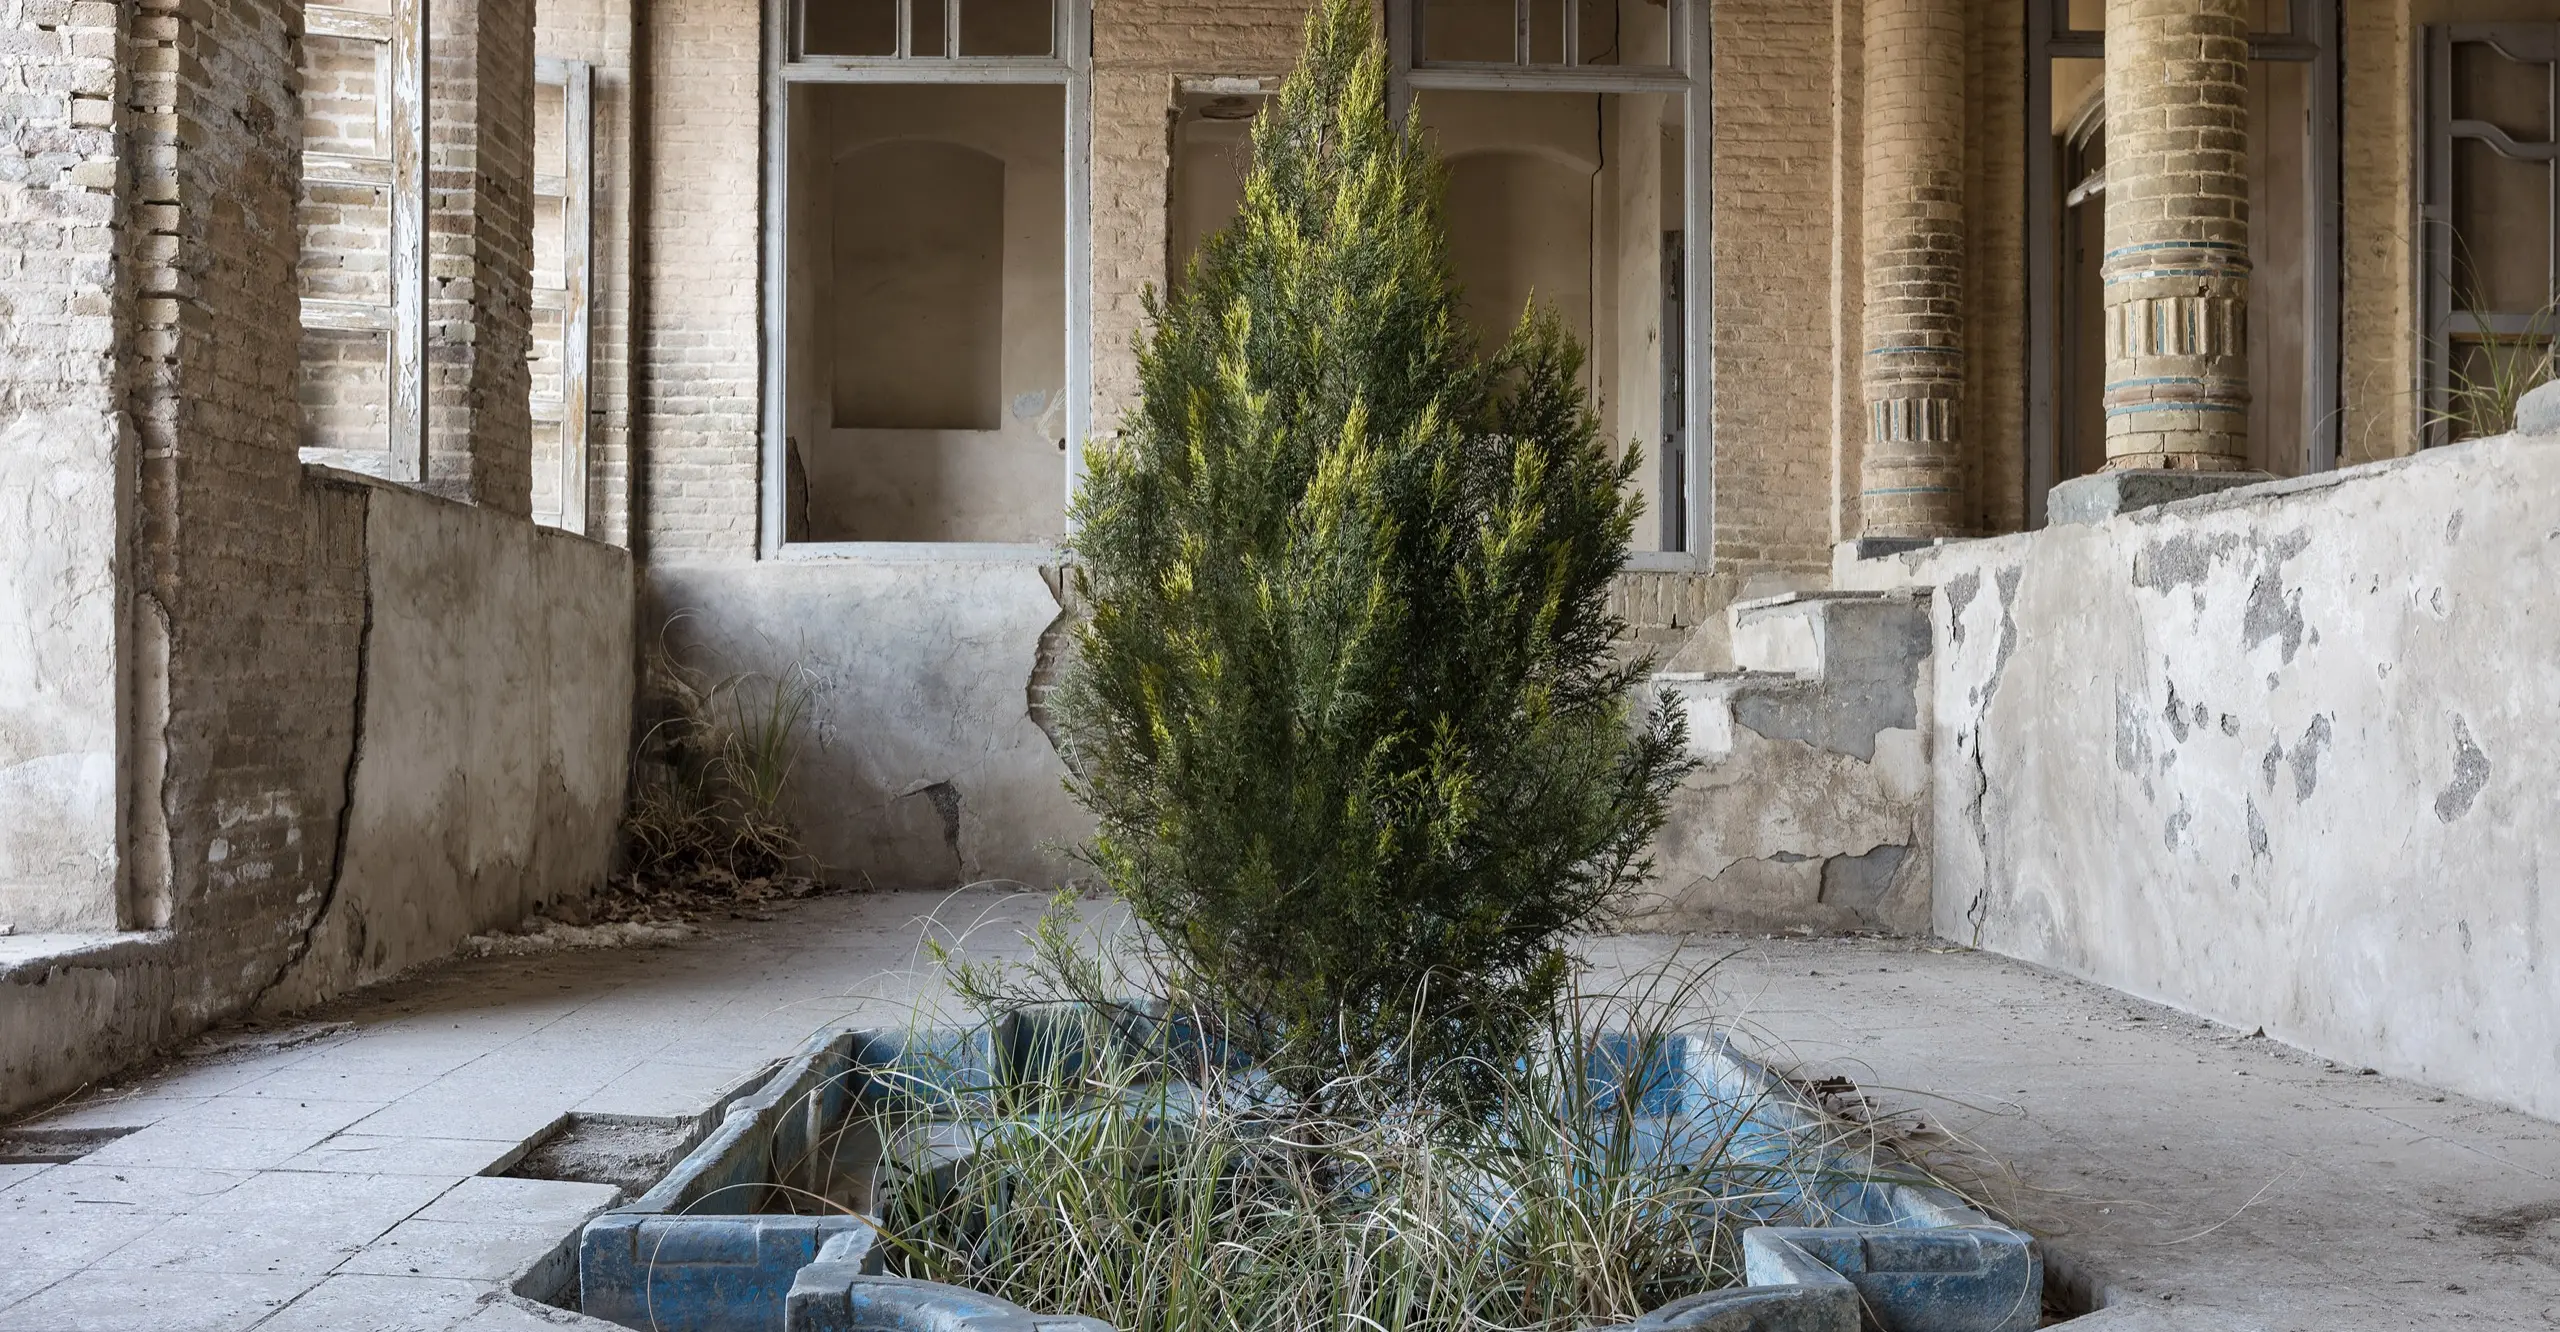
1914	216
479	250
2177	258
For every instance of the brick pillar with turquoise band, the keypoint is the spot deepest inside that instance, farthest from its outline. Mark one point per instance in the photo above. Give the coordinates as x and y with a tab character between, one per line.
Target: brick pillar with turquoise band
2176	265
1911	477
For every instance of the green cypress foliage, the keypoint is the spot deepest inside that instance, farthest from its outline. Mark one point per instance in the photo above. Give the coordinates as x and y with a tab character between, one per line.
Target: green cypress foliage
1346	706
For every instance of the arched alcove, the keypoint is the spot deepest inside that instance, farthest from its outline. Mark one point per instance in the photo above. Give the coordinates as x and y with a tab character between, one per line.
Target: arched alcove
917	301
1520	226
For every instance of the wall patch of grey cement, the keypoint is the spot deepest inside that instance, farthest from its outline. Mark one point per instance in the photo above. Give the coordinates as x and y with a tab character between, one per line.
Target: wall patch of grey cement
2377	772
925	763
2470	773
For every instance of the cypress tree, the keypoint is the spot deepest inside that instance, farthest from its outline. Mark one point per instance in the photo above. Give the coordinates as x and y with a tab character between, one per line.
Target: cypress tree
1346	705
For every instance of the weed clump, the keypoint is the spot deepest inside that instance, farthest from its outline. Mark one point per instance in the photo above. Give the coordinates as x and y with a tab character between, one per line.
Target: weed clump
706	822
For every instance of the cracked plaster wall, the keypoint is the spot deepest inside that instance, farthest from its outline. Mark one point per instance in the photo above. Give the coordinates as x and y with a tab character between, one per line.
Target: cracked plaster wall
2284	757
1809	809
925	763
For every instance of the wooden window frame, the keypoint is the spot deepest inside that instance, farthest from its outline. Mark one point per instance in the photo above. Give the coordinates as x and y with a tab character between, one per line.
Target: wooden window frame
2525	43
574	409
400	120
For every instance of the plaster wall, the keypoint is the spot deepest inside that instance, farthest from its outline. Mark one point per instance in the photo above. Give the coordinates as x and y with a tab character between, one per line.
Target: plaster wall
493	732
2282	757
924	763
63	452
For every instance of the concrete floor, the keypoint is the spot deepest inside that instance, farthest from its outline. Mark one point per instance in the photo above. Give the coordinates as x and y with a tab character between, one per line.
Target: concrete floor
315	1177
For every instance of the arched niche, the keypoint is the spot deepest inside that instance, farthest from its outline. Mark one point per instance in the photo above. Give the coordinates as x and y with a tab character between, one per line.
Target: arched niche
917	300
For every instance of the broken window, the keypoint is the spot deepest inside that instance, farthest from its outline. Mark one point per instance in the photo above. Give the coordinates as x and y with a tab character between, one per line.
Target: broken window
2293	239
563	289
930	338
2492	217
1565	127
362	215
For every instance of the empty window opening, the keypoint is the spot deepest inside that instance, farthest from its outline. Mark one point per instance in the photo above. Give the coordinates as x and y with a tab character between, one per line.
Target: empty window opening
362	218
2292	320
926	357
2492	213
1572	203
563	261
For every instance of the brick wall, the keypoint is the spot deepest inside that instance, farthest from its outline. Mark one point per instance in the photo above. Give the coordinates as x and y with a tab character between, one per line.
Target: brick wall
252	606
1141	48
696	258
479	251
1774	325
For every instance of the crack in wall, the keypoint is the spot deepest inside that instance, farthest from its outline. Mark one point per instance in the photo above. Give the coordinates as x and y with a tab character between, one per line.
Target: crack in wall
347	803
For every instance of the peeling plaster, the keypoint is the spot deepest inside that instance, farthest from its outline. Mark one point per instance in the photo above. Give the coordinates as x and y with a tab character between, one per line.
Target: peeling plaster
2306	758
2470	773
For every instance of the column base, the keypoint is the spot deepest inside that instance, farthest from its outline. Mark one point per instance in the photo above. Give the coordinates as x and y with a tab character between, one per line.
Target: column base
2089	499
1869	548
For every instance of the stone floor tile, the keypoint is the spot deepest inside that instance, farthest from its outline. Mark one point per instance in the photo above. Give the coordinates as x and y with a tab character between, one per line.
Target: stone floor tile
13	1175
559	1204
144	1190
173	1143
281	1222
377	1154
664	1091
459	1113
153	1302
127	1111
381	1304
274	1112
336	1082
468	1251
68	1240
17	1283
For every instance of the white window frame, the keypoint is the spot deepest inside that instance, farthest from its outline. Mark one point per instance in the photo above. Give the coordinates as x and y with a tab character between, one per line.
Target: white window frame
1688	528
1069	66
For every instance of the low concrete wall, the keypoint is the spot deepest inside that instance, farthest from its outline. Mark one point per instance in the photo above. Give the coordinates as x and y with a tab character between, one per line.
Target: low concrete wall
494	737
492	723
2285	757
925	763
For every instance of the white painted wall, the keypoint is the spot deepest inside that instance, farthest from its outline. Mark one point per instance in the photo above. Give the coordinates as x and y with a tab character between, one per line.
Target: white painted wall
2285	757
59	678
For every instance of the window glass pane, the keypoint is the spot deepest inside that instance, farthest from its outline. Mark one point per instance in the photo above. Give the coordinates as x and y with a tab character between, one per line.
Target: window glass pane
1546	31
926	34
1626	32
1469	30
2270	16
1005	28
849	27
2087	15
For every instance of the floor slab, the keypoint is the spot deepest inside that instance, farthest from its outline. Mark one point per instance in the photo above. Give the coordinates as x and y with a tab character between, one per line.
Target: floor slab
2201	1177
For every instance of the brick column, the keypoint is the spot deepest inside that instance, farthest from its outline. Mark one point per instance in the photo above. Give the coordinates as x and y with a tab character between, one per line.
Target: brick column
2177	259
1911	480
480	252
